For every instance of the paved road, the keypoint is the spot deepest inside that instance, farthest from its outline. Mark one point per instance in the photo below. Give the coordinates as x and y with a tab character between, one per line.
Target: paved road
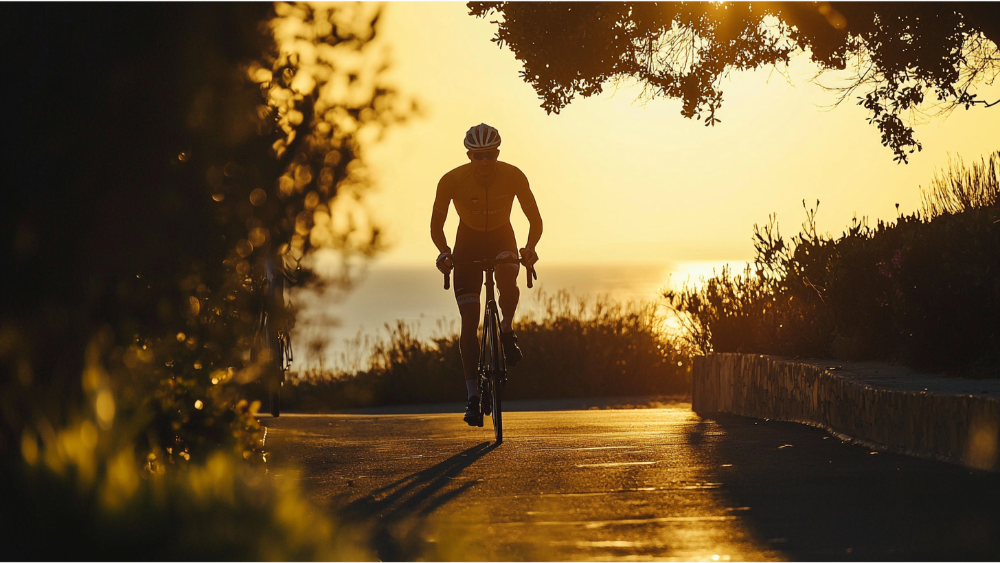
631	485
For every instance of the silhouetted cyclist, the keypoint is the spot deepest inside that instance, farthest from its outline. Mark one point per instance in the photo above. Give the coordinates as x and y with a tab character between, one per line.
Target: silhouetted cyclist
483	191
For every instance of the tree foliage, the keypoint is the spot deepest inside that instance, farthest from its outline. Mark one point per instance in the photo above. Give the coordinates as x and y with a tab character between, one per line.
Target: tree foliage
900	55
155	155
156	152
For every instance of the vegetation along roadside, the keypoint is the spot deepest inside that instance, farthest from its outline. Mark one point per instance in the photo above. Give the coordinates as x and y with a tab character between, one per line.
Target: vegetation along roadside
923	290
573	347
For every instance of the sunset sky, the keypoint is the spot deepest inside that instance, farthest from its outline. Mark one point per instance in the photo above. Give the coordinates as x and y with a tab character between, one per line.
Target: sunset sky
621	182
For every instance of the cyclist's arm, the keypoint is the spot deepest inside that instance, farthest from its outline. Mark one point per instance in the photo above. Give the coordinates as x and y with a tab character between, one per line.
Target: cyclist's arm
441	202
530	209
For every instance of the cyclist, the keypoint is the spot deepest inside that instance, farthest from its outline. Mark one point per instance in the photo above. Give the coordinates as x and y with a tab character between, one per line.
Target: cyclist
483	192
272	350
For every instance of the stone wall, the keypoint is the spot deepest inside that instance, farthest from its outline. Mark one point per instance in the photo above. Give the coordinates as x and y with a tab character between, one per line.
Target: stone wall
956	428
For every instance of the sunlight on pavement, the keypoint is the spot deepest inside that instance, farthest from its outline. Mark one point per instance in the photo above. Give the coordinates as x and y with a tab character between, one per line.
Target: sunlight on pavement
637	484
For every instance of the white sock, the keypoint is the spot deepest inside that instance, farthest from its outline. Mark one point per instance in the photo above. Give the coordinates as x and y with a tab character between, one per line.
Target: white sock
473	387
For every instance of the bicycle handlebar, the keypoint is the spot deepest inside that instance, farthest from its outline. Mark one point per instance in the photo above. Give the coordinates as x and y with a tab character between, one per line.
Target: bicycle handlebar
491	264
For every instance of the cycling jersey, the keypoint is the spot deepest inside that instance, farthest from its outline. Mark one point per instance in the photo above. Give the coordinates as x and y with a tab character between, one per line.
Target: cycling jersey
486	208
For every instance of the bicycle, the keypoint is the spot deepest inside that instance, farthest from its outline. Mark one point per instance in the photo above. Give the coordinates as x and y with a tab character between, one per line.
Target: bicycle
492	366
271	350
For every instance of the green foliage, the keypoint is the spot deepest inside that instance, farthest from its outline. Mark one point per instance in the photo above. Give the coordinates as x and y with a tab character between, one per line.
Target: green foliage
572	348
899	54
924	290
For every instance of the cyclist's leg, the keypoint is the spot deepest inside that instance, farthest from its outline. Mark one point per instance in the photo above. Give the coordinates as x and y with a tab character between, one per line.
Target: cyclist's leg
506	277
468	283
468	307
469	342
504	245
468	286
510	294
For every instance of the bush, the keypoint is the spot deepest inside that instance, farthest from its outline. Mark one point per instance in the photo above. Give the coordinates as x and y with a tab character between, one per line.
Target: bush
589	348
923	290
144	203
572	348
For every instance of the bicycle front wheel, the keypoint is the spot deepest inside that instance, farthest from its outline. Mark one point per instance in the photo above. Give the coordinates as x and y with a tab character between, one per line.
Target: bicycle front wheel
497	409
496	373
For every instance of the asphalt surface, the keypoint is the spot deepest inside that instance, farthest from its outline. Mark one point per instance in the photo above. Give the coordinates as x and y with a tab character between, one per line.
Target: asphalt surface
629	484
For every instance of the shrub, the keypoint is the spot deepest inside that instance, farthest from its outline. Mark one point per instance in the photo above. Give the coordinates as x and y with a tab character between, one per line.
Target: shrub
578	347
572	347
923	290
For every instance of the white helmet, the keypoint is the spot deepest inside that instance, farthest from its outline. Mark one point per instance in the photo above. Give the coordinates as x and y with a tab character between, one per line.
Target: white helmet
482	137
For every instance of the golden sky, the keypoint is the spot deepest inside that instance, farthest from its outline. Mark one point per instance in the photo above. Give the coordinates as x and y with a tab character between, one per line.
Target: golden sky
620	181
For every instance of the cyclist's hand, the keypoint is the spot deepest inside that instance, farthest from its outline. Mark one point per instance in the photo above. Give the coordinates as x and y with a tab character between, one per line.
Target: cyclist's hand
444	262
529	257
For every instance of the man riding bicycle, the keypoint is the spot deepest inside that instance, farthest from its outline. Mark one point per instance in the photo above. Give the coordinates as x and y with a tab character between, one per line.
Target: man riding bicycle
483	191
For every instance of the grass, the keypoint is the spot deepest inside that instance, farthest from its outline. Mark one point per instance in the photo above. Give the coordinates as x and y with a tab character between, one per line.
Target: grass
962	188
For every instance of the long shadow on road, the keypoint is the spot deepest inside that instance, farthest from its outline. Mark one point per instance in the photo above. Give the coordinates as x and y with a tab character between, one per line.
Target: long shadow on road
814	497
398	510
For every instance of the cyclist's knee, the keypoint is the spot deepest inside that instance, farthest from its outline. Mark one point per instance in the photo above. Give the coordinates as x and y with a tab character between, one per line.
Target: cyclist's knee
510	268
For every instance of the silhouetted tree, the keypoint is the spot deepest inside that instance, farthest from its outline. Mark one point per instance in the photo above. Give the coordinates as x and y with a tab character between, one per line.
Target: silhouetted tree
901	53
154	152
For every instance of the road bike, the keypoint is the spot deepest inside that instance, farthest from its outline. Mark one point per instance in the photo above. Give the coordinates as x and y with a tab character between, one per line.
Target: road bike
492	366
271	350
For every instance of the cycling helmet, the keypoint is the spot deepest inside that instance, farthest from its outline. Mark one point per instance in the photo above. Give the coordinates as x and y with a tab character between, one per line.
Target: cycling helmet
482	137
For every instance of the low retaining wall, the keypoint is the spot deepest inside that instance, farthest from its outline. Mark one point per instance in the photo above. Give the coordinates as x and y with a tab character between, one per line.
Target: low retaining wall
962	429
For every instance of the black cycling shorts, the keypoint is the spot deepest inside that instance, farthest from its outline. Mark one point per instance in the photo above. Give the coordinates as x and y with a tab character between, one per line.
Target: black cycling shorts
471	244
